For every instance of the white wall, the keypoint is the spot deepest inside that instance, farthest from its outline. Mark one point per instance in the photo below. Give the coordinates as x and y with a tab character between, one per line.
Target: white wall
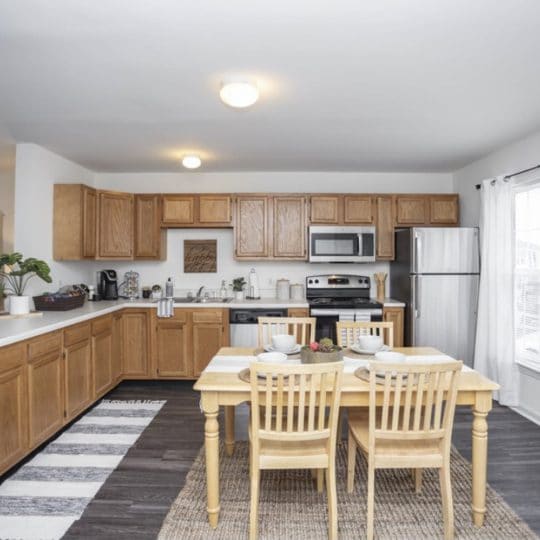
37	170
7	195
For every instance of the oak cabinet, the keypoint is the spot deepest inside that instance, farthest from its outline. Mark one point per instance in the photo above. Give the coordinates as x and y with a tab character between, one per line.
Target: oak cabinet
290	227
102	351
210	332
357	209
251	236
149	237
116	346
74	222
444	209
135	343
214	210
172	345
396	316
178	210
298	312
325	209
412	210
78	392
384	219
45	388
13	405
115	225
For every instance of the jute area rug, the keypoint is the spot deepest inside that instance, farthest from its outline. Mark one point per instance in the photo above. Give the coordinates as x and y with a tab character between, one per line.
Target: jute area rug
291	508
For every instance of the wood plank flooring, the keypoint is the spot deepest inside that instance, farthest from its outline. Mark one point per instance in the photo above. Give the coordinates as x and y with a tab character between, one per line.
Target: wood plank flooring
136	497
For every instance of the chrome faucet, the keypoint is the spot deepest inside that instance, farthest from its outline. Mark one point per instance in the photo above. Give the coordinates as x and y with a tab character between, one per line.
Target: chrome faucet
199	292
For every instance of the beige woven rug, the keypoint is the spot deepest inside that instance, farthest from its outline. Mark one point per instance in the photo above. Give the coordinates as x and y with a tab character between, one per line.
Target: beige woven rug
291	508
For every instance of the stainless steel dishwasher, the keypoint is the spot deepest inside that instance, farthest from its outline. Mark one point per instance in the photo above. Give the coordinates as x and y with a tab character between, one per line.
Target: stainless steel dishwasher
243	324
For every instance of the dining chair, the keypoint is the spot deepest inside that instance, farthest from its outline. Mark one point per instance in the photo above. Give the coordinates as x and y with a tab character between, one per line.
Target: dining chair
302	328
348	332
411	429
293	425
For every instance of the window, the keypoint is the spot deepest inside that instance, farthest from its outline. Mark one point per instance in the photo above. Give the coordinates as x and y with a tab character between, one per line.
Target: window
527	276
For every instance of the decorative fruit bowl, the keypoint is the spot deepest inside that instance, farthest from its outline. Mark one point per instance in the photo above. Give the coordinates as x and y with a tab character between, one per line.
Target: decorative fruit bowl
321	352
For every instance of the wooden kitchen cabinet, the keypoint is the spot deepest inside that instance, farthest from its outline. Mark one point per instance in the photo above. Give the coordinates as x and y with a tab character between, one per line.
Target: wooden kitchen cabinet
357	209
290	227
384	219
150	240
135	344
325	209
45	387
178	210
117	348
210	332
74	222
444	209
13	405
78	392
214	210
115	225
251	234
172	344
298	312
412	210
396	316
102	351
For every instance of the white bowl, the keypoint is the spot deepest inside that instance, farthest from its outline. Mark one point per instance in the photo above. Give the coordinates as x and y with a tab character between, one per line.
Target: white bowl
370	343
390	357
283	342
272	357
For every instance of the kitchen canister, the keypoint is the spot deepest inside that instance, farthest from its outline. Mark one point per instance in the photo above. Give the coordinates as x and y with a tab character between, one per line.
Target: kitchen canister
297	291
282	287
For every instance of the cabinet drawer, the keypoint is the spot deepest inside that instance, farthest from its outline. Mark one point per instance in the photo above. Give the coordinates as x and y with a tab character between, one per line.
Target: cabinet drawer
46	344
12	357
76	333
101	324
207	316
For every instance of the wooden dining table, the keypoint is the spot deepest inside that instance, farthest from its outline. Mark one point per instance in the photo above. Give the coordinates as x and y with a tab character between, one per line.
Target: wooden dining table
220	386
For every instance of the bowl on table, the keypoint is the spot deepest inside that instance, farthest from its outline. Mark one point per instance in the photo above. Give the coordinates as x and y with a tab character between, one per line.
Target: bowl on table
390	357
370	343
283	343
272	357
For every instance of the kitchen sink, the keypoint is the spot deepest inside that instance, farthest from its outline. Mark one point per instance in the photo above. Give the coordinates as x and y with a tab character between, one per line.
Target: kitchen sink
183	299
202	300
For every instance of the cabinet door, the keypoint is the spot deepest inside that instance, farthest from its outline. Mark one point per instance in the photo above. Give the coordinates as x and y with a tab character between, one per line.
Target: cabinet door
117	347
325	209
13	405
178	210
357	209
208	338
115	225
172	340
77	377
290	228
395	315
385	227
148	233
135	354
411	210
102	362
251	227
214	210
444	209
45	392
89	222
298	312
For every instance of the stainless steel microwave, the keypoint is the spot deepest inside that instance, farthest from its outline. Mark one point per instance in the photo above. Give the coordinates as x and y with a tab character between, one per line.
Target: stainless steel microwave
342	244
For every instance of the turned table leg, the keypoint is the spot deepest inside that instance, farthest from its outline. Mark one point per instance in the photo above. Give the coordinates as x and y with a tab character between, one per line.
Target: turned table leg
479	456
209	403
229	429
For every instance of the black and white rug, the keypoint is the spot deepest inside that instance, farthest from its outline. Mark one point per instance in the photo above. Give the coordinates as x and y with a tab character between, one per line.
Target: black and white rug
45	496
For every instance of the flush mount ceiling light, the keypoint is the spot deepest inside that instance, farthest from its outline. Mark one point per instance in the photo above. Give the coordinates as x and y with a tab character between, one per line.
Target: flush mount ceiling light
239	94
191	162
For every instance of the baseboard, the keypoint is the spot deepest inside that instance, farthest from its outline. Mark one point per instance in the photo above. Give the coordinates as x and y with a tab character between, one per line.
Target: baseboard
529	415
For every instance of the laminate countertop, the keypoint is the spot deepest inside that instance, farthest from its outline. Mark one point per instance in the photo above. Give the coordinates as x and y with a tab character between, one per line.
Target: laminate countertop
14	330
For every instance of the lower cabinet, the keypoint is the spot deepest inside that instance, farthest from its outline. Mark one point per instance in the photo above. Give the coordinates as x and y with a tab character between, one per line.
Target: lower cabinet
102	351
135	343
210	333
395	315
78	376
172	345
117	349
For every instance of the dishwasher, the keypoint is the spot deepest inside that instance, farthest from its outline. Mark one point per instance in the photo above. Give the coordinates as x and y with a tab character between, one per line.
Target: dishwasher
243	325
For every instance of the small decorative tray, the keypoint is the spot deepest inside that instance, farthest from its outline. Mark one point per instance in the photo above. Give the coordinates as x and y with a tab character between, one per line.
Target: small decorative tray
49	302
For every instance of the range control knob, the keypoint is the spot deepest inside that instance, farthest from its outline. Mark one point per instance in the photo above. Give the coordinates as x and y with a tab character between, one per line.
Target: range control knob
316	281
310	281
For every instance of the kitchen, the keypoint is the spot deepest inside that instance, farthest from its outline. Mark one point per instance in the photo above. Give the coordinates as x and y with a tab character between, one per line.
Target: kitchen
84	207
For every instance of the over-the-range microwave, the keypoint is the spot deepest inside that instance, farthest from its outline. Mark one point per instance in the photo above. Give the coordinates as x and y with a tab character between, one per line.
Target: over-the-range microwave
341	244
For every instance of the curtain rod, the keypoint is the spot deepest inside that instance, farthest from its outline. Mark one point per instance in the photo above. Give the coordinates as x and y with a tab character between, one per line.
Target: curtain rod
478	186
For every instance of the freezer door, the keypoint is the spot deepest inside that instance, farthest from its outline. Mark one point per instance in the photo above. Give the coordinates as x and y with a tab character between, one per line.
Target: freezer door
445	250
443	314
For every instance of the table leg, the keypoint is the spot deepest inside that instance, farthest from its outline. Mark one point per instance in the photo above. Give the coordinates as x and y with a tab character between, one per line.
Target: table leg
209	403
229	429
481	409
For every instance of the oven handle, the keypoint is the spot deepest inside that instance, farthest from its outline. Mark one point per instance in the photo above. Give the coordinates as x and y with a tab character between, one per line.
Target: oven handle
335	312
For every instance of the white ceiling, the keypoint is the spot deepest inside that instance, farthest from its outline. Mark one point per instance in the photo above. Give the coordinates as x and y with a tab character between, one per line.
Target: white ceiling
353	85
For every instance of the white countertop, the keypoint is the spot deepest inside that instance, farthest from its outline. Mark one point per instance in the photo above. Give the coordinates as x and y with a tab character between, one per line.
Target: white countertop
13	330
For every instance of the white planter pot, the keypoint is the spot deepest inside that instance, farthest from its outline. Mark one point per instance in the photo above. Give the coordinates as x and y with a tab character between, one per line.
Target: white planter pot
238	295
19	305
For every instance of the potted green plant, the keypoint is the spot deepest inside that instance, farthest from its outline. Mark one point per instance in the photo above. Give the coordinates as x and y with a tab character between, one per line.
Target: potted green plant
16	272
238	285
321	352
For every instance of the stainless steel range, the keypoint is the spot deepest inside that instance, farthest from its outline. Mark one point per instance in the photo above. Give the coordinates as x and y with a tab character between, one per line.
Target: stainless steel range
340	297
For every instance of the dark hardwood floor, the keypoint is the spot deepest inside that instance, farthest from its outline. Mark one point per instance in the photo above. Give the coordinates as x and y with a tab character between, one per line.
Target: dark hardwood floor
136	497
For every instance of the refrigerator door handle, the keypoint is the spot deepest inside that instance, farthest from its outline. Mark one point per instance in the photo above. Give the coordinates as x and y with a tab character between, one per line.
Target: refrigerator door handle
416	293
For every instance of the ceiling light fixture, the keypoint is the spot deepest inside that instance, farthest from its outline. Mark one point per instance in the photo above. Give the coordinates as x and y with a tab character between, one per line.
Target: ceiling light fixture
239	94
191	162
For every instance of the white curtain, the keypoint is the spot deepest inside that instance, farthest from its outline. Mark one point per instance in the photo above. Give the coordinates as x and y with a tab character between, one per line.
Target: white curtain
494	352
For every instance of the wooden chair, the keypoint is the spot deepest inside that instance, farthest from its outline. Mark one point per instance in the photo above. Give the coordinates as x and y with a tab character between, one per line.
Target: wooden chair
293	425
412	429
302	328
348	332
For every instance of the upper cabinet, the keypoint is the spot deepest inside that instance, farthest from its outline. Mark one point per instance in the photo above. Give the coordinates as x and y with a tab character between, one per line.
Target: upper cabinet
150	239
325	209
251	238
358	209
115	224
425	210
290	229
196	211
349	209
384	220
412	210
444	209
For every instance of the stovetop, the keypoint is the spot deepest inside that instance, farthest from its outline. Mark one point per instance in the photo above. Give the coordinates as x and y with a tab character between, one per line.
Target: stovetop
343	291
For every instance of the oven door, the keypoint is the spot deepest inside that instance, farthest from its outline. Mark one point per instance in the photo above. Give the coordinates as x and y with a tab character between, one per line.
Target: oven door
342	244
327	319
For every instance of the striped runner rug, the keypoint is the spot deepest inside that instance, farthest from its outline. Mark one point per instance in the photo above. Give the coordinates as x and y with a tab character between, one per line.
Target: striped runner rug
47	494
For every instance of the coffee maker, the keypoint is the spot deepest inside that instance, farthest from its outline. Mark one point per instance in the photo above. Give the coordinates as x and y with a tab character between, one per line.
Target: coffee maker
107	284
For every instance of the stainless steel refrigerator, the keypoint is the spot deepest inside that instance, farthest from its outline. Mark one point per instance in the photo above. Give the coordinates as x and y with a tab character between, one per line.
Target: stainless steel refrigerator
436	273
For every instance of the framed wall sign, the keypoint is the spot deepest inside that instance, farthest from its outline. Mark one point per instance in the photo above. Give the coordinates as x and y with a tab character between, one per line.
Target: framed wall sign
200	256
